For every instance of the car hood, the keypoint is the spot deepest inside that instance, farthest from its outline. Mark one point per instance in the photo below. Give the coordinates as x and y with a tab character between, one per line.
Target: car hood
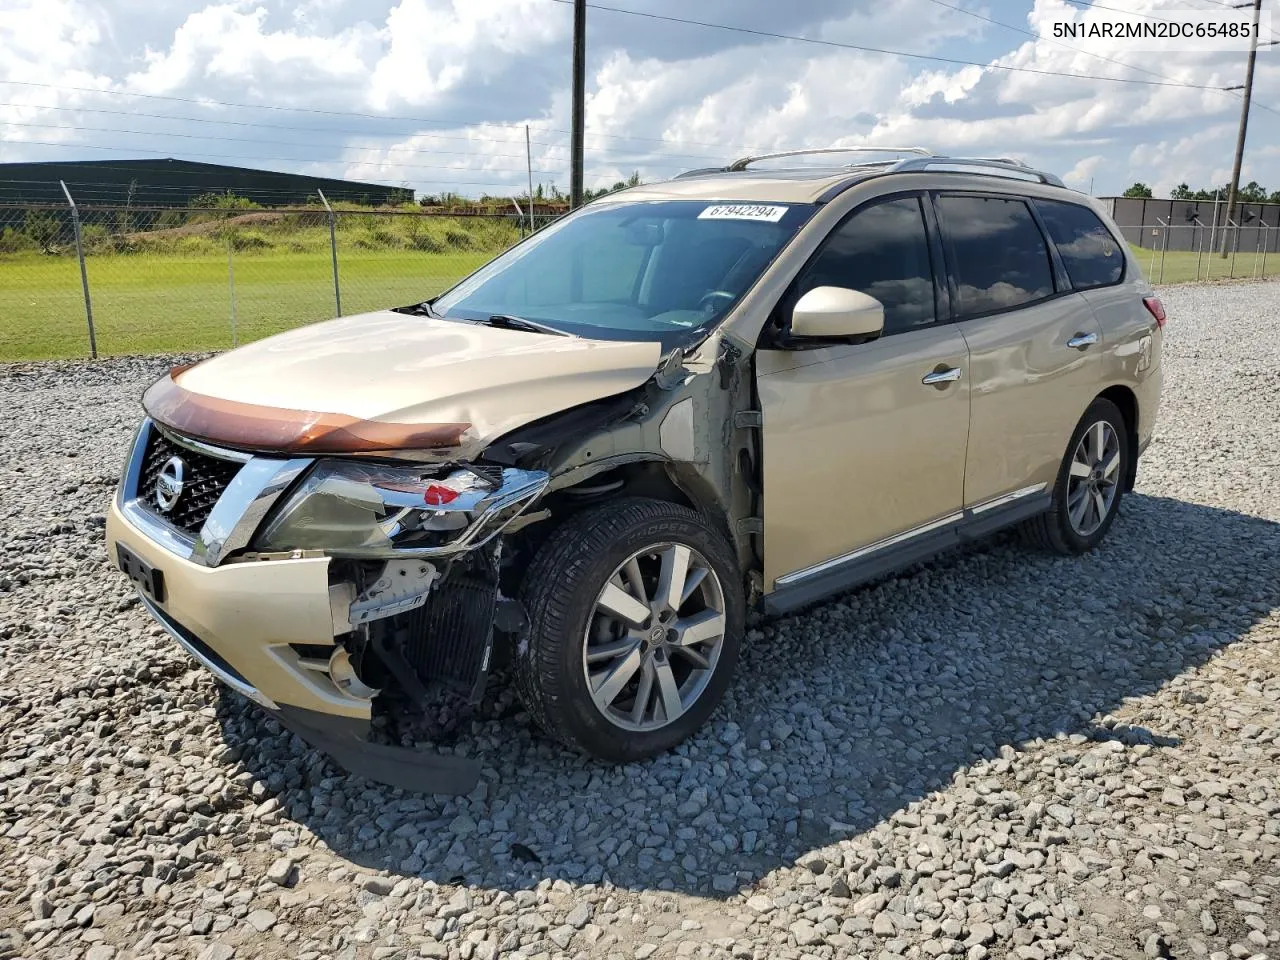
392	381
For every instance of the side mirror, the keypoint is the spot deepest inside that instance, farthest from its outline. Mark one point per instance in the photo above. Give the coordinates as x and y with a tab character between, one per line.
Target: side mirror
837	313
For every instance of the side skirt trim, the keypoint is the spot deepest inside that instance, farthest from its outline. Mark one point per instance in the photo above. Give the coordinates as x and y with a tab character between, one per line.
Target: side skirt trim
824	580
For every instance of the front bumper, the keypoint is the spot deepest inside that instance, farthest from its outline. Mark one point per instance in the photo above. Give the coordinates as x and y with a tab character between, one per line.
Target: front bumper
265	628
241	620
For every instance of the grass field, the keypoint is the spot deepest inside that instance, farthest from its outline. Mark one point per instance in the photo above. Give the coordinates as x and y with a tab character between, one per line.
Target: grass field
178	299
159	303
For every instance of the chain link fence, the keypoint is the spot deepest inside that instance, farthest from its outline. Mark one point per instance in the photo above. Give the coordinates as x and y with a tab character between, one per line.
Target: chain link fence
96	280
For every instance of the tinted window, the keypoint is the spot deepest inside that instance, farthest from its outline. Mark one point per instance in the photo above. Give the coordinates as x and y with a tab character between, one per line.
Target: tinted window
884	252
1000	257
1091	254
662	270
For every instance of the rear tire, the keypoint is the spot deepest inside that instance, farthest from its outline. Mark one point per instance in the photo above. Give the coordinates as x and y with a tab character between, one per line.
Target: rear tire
636	614
1089	486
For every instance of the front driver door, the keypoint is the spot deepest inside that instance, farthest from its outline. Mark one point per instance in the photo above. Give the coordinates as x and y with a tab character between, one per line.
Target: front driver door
864	445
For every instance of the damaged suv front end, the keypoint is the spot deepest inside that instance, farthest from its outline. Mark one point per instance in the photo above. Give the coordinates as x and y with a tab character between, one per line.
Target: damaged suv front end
344	515
299	581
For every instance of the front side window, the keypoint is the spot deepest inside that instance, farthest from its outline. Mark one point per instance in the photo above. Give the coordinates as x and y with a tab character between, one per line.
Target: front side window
1088	250
999	256
882	251
647	270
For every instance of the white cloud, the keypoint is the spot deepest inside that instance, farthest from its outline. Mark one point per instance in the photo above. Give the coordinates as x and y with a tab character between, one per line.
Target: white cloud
662	96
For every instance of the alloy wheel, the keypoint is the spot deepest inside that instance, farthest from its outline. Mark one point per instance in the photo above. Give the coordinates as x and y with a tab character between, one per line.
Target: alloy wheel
1094	479
654	637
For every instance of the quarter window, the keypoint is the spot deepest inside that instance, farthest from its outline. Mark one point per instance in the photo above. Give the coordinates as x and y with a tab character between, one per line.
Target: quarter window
883	251
1088	250
1000	258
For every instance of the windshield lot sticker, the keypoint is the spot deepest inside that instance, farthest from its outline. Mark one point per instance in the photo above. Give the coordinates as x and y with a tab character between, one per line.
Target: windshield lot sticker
744	211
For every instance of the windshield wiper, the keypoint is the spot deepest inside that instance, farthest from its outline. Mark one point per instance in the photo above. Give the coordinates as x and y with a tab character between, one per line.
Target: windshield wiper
424	308
508	321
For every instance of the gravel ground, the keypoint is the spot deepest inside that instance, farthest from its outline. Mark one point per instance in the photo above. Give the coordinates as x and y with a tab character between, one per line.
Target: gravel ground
995	755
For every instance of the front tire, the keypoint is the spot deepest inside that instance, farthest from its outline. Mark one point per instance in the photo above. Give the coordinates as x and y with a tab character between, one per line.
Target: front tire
636	614
1089	486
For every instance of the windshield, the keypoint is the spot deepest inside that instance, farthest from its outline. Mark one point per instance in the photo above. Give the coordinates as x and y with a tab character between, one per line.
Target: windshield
661	270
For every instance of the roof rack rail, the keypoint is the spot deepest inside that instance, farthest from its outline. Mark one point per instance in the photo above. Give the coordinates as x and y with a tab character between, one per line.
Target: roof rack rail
1009	169
743	162
700	172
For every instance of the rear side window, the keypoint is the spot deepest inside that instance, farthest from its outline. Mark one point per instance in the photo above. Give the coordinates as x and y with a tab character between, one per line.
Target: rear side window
1088	250
883	251
999	256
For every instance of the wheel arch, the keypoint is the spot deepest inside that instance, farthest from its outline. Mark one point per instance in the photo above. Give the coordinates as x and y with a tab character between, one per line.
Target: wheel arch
1127	402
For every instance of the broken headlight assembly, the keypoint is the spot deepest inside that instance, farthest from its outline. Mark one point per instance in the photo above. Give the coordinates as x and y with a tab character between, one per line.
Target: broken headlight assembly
356	509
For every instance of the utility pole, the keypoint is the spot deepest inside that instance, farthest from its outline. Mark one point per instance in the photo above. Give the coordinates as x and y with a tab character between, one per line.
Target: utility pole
579	99
528	156
1244	125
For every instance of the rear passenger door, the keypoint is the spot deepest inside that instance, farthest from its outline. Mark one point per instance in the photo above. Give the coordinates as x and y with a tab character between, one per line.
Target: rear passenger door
1033	345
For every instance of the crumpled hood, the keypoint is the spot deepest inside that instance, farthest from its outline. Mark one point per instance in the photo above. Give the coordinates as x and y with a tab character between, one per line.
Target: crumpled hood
390	381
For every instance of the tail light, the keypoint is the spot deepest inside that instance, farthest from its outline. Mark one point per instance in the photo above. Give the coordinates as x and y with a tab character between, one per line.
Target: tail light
1156	309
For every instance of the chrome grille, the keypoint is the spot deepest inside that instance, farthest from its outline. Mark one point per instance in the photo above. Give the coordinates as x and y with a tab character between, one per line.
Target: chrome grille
204	480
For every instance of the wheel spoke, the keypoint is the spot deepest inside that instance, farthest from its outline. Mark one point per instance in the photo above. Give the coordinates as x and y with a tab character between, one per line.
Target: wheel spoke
670	692
1112	463
618	603
1099	504
1099	437
1079	510
699	628
631	570
611	683
694	656
692	582
609	651
1079	469
644	693
675	567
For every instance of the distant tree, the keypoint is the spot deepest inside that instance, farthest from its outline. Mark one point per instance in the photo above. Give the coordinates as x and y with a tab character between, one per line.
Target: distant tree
41	228
1140	190
1252	192
1182	192
1274	198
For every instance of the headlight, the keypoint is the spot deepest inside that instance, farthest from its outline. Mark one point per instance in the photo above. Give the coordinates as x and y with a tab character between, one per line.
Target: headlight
354	509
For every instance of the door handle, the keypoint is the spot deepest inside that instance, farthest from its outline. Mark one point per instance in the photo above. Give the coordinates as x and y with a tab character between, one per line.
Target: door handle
941	376
1082	341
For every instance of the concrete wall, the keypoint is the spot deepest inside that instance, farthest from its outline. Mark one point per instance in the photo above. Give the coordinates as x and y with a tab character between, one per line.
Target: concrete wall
1190	223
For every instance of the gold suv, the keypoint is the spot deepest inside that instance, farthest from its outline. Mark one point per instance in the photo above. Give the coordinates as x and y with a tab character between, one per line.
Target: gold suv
739	391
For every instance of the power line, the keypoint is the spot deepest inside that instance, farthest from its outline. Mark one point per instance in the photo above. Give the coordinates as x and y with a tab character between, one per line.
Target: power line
256	125
282	143
347	113
895	53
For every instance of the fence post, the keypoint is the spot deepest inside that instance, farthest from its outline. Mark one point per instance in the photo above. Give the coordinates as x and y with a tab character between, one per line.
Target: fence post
333	249
1164	247
84	275
1200	249
231	286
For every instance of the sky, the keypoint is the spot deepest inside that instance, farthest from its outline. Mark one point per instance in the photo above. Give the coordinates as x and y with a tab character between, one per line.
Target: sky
436	94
